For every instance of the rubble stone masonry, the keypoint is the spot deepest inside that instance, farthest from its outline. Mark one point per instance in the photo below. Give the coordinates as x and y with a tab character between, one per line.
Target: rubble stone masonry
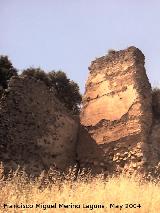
117	112
117	130
36	132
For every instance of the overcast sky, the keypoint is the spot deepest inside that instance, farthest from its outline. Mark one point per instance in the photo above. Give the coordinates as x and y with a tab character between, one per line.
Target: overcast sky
69	34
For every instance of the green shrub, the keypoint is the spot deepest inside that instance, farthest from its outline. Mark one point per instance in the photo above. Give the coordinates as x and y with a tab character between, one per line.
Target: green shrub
111	51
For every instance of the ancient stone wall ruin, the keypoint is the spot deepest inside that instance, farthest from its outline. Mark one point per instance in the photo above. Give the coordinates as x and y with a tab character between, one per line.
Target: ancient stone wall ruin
117	112
36	132
117	129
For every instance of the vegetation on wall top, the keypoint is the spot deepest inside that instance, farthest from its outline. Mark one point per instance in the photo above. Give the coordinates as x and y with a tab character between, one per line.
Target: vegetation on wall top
66	90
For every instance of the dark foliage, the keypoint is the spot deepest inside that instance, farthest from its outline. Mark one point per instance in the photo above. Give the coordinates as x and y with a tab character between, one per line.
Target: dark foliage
66	90
6	71
156	102
111	51
36	73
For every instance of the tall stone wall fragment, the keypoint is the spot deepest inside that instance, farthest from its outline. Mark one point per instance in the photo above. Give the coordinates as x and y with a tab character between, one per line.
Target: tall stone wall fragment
116	113
36	132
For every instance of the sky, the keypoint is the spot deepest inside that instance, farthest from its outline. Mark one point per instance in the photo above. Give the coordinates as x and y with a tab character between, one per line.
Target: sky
68	34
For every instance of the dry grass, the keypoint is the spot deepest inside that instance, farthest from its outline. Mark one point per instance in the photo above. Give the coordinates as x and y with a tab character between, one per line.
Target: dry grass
121	190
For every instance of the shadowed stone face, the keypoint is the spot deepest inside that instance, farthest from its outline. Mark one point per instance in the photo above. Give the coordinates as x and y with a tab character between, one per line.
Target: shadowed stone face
36	131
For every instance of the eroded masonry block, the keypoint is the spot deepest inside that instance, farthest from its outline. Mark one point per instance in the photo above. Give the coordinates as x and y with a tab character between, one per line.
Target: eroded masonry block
116	116
36	131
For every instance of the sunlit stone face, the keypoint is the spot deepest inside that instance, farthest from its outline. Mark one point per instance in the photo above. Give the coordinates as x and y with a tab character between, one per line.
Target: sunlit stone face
109	95
109	107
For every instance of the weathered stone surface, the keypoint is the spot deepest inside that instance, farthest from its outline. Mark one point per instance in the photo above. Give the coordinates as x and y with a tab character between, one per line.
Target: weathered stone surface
36	132
118	131
117	111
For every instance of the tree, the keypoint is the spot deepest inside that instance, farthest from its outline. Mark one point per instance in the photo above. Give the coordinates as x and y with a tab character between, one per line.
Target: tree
36	73
6	71
67	91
